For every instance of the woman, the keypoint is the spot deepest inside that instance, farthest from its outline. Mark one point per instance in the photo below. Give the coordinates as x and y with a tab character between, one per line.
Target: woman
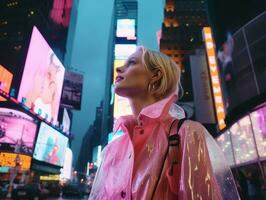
142	164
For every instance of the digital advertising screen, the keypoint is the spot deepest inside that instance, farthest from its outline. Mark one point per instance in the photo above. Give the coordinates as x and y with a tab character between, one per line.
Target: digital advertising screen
122	51
5	80
9	160
66	121
42	79
66	172
242	64
17	131
121	104
126	28
72	90
50	145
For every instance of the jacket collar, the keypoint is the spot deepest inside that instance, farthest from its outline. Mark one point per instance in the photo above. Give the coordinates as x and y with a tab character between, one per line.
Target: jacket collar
161	110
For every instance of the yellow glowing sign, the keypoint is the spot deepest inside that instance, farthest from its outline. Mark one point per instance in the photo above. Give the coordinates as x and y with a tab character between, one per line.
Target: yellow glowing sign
121	104
117	63
216	87
5	80
9	160
50	178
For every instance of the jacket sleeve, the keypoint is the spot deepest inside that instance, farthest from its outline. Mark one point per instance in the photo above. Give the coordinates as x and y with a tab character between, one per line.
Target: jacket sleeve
98	180
197	180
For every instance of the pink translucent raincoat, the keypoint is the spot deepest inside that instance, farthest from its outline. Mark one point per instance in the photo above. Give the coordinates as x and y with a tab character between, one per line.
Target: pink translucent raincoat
131	164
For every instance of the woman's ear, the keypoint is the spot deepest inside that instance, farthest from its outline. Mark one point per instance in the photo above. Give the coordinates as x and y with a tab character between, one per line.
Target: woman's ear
157	75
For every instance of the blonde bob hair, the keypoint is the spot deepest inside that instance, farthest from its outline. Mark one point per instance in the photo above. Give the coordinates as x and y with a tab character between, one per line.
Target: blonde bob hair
170	80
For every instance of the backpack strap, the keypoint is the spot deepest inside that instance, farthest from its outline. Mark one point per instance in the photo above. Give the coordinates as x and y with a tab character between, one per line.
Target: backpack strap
173	140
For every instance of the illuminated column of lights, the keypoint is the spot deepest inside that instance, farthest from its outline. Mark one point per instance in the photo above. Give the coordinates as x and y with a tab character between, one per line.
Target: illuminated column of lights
216	87
126	33
121	104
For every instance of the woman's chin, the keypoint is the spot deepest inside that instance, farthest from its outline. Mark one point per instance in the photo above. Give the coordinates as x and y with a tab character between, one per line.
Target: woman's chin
121	91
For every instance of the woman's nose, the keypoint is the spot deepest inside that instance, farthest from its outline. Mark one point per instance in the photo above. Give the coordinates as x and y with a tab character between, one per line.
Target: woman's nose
120	69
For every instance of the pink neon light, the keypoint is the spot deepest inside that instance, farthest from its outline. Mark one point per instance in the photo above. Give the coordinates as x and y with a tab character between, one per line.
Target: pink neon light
60	12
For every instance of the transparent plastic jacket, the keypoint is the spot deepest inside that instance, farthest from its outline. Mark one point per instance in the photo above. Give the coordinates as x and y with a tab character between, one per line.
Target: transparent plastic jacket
131	164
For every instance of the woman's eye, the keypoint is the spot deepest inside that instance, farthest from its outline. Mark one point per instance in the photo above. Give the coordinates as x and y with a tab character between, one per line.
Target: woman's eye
131	62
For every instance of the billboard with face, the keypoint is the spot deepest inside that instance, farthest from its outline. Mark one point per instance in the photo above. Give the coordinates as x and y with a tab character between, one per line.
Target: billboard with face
42	78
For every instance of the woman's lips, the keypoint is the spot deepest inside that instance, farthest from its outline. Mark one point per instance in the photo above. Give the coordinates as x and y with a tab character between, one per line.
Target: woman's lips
118	78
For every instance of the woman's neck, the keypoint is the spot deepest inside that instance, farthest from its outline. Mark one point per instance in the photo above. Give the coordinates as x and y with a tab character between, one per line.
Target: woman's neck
137	104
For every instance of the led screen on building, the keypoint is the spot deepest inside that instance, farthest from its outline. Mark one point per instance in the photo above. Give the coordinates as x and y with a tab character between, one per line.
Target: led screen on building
17	131
66	171
9	160
121	104
122	51
50	145
42	78
66	122
125	28
242	66
72	90
5	80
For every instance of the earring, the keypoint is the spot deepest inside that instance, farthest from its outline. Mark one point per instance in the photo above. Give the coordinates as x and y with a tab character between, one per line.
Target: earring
151	87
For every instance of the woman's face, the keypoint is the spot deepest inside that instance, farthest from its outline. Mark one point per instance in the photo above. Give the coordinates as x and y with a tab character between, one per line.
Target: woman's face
132	79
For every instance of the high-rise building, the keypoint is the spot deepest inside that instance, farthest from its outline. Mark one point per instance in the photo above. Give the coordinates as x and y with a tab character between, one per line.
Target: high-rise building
181	29
124	43
90	140
182	34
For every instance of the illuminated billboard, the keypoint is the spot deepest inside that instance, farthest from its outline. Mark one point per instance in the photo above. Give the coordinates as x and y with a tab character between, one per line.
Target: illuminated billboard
42	78
66	122
126	28
242	65
121	104
245	141
66	171
122	51
50	145
9	160
72	90
5	80
214	73
17	130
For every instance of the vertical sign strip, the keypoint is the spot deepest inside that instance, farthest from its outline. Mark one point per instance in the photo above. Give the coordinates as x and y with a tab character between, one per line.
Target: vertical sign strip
216	87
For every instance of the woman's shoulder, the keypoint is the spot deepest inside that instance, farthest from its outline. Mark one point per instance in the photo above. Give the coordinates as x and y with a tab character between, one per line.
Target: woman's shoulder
190	128
197	126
